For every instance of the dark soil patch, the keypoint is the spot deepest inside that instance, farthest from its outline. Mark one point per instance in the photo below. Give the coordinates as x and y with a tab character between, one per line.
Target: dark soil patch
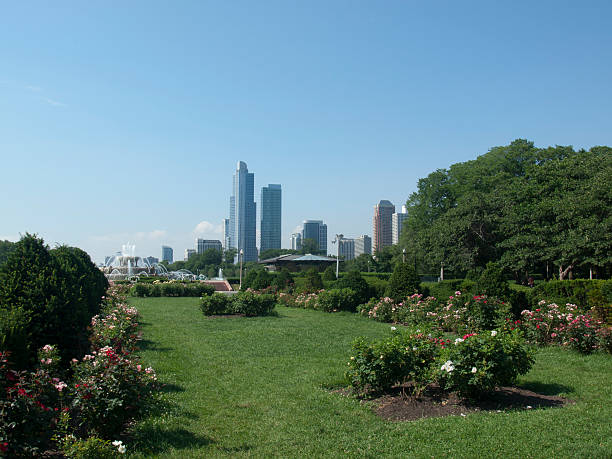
401	405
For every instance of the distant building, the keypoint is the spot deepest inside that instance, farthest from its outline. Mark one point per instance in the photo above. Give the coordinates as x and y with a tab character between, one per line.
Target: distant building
296	241
243	213
381	223
202	245
363	244
106	258
189	253
397	220
298	262
347	249
270	224
167	254
152	260
226	232
317	230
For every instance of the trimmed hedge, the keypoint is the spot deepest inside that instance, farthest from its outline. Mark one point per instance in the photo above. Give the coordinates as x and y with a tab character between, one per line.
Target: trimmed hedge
195	289
248	303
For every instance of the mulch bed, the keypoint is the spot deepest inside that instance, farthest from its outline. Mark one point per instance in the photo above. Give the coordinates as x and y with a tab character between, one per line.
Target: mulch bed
401	405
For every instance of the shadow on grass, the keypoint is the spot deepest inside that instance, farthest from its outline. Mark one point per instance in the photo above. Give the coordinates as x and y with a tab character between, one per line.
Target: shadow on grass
171	388
156	439
148	345
546	389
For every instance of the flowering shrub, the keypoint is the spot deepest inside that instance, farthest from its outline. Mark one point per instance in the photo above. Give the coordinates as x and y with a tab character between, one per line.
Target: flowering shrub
92	447
337	299
381	364
552	324
29	405
478	363
116	327
485	312
605	339
472	365
109	389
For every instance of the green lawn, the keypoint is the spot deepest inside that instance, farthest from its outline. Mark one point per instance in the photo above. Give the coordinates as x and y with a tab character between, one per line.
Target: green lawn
257	387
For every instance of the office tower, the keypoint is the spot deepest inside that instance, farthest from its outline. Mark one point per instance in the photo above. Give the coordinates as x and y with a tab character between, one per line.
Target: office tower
296	241
316	230
202	245
189	253
243	214
397	220
226	231
363	244
347	249
270	225
167	254
382	224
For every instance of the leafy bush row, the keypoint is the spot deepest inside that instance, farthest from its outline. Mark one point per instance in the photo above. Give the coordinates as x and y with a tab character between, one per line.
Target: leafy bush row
458	314
47	297
333	300
248	303
195	289
472	366
96	397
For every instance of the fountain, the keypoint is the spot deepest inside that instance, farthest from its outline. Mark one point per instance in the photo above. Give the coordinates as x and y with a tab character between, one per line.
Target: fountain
126	265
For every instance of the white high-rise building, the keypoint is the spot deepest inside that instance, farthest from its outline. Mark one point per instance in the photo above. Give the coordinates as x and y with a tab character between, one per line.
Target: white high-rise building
296	241
363	244
189	253
397	220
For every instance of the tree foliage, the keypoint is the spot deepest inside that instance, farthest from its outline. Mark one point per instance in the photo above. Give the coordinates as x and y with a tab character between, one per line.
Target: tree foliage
403	282
520	206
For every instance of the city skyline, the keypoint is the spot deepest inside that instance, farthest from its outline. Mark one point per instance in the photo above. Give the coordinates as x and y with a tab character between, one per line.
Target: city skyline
121	126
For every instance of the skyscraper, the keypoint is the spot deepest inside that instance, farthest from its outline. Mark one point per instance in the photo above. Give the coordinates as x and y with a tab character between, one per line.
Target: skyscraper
346	249
363	244
382	228
167	254
226	231
316	230
397	219
243	214
270	225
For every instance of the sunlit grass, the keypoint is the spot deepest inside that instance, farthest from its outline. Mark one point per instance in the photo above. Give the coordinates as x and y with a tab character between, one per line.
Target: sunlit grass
258	387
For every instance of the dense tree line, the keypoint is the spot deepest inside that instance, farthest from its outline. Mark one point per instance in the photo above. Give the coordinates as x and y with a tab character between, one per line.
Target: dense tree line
532	210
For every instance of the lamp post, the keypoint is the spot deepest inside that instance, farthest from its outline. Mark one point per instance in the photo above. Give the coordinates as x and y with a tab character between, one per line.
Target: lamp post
404	255
241	256
337	240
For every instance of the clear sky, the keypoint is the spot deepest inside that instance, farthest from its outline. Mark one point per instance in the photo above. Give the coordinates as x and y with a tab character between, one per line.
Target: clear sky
123	121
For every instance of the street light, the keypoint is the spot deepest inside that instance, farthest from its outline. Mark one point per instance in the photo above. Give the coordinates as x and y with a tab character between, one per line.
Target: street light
338	239
404	255
241	256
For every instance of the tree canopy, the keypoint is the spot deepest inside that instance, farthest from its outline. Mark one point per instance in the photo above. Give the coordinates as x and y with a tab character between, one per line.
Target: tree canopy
520	206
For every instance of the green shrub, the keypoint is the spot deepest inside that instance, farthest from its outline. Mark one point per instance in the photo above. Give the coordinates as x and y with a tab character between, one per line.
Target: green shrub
90	448
14	336
310	282
476	364
217	303
329	274
403	282
442	290
283	280
379	365
492	283
262	280
252	304
334	300
377	286
486	312
141	290
172	289
577	291
357	283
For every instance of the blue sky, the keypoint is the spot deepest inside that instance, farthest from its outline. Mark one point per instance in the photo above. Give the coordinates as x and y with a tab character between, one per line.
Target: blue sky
123	121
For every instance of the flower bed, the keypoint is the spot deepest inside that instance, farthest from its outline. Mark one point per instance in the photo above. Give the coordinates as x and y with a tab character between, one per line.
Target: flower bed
96	396
472	366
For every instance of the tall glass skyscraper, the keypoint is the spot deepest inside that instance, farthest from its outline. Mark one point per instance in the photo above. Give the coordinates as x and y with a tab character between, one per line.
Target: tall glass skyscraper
243	214
270	225
316	230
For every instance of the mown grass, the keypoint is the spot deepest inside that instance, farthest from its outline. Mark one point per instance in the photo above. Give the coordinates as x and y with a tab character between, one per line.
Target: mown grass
258	387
